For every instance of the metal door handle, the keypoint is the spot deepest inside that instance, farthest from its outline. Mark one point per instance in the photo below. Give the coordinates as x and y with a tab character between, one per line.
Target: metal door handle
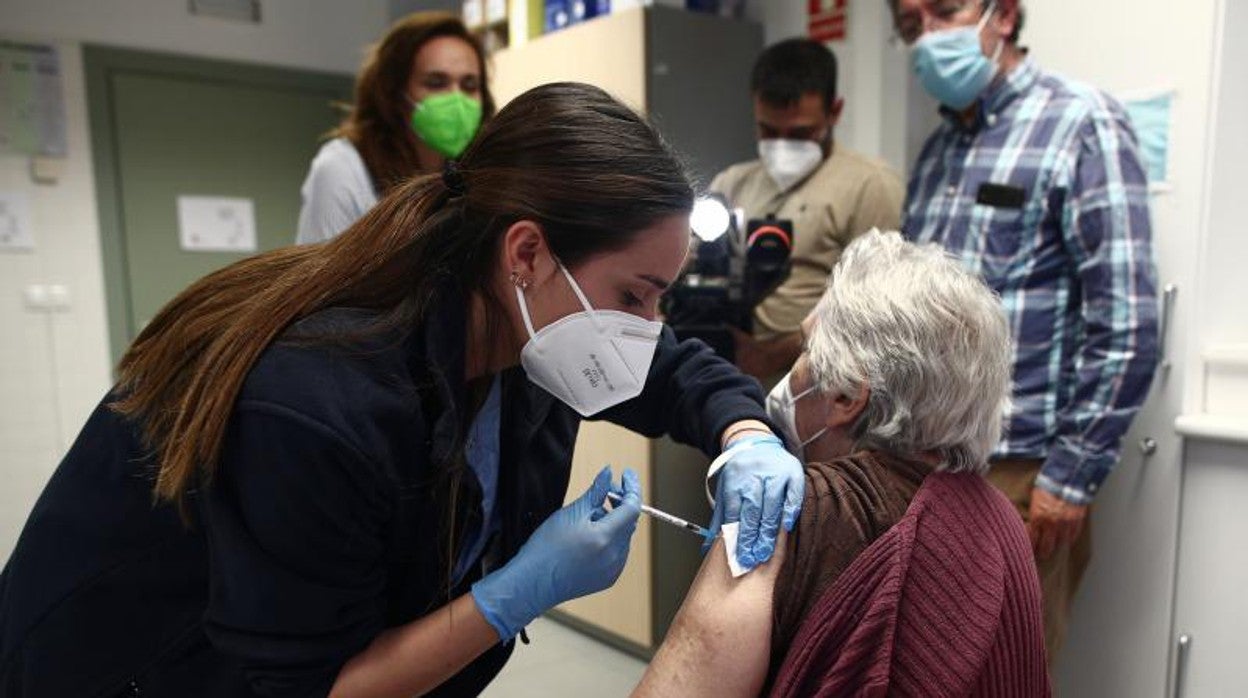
1180	664
1168	294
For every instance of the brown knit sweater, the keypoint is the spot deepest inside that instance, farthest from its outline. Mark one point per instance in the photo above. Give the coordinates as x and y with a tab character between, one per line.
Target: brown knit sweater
849	502
889	592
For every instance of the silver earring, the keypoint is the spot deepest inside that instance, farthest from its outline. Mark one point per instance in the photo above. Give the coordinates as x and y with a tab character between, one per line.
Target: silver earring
519	281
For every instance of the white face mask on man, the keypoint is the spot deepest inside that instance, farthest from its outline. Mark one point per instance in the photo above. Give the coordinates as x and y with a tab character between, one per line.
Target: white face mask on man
789	161
591	360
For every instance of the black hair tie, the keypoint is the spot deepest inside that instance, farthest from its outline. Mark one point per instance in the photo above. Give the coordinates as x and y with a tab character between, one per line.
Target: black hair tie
453	179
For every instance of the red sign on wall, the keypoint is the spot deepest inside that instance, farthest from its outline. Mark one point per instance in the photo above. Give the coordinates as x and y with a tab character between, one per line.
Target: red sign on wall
826	19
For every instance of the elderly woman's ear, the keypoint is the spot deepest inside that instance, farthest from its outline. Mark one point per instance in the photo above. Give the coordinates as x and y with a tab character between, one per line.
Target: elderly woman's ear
808	326
845	409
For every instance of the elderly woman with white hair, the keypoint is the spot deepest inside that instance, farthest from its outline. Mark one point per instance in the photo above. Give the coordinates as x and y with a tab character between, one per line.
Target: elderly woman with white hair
907	573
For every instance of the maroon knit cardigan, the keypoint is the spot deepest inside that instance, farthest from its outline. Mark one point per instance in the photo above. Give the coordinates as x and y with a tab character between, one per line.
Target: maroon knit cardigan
945	603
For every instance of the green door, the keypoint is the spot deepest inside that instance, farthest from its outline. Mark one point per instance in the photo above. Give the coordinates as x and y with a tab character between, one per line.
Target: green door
166	126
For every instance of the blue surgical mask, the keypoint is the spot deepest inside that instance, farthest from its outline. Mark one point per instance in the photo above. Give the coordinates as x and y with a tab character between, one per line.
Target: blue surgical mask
952	67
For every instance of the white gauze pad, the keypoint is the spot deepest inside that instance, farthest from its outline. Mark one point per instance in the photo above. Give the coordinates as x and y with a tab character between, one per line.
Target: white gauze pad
729	532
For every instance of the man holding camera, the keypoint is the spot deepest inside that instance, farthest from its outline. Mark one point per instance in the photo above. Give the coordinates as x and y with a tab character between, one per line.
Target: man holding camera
829	193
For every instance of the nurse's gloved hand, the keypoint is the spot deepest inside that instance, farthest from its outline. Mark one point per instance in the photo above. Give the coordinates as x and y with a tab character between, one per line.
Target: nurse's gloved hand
761	486
579	550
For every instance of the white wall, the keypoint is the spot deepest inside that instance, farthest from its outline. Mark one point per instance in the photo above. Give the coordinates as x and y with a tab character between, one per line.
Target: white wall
1121	635
1210	608
54	367
1127	45
1221	286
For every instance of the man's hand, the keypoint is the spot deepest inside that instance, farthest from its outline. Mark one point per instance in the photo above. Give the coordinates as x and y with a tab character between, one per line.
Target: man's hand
1053	522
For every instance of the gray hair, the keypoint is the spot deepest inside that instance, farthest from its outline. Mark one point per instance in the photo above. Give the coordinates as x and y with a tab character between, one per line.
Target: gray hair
927	338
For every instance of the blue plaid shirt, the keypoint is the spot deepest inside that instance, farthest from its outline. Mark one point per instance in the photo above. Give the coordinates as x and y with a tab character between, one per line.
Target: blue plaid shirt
1062	233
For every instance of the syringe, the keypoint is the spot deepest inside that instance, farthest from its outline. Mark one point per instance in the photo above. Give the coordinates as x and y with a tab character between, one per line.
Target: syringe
665	517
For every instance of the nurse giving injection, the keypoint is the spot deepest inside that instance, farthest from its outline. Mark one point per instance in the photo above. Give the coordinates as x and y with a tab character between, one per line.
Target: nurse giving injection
353	455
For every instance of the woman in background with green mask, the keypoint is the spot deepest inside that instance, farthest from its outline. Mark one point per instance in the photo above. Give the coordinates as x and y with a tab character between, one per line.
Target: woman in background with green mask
419	99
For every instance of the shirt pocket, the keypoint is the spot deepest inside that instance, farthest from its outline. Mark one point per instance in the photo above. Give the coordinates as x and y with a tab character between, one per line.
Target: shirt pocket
1006	238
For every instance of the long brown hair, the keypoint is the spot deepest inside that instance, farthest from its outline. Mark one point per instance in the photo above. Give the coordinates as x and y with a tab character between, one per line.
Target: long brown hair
377	124
588	170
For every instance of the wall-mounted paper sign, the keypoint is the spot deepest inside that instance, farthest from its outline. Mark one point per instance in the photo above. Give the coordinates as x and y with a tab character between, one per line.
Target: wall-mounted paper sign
1150	113
32	103
216	224
15	226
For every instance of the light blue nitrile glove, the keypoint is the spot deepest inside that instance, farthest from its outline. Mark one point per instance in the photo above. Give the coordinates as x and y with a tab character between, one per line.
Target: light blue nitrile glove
761	486
578	550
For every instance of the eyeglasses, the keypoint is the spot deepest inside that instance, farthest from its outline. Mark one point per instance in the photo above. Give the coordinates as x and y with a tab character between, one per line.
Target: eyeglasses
936	14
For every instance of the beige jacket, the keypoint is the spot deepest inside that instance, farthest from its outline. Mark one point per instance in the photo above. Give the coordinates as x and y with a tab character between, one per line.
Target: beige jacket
848	195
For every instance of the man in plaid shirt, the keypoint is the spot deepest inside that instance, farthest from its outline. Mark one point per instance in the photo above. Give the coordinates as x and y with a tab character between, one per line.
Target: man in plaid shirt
1035	182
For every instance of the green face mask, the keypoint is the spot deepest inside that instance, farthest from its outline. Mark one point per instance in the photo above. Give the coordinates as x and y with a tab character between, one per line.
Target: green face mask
447	122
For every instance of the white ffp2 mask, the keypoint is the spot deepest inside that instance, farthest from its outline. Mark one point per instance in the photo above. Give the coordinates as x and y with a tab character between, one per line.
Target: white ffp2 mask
590	360
781	409
789	161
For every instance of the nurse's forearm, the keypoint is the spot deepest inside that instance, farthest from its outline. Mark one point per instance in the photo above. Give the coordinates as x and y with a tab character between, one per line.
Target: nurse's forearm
412	659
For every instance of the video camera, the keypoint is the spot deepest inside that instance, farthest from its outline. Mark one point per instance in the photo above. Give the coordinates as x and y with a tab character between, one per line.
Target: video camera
732	268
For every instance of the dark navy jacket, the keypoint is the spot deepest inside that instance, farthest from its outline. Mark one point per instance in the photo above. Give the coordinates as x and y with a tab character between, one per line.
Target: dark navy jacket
323	525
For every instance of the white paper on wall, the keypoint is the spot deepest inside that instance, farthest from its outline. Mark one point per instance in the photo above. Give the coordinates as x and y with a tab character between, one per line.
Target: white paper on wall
32	103
473	13
495	10
1151	112
15	222
216	224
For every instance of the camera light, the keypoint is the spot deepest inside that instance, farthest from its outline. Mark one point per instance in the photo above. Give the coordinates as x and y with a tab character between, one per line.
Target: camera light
710	218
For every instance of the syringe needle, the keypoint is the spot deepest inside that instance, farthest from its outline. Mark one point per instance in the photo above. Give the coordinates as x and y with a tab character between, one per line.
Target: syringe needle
664	517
